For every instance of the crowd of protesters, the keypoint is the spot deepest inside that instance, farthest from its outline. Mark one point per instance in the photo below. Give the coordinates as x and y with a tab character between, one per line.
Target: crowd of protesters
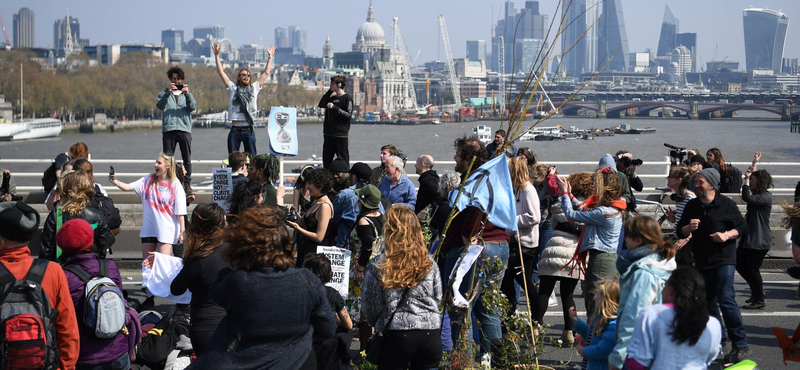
259	299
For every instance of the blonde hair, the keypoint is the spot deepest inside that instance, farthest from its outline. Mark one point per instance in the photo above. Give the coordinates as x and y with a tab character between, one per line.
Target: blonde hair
76	192
792	217
648	230
685	174
518	168
407	262
608	290
169	161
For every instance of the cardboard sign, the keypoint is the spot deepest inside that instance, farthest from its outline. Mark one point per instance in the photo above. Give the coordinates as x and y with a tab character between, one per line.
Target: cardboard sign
282	129
223	188
340	264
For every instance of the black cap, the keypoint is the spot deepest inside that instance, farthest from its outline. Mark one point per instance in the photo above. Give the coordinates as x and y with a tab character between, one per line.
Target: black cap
20	221
361	170
338	165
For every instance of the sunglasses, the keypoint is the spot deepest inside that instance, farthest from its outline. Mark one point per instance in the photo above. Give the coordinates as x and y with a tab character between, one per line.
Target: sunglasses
244	74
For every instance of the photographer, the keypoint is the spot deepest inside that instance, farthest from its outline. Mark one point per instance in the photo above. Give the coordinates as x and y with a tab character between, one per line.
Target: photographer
8	188
176	122
627	165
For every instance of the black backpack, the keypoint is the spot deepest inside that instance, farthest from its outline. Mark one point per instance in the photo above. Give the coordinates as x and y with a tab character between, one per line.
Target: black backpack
27	321
106	205
49	178
732	180
154	349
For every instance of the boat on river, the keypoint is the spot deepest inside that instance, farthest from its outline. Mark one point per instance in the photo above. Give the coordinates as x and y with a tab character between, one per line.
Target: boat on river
484	133
33	129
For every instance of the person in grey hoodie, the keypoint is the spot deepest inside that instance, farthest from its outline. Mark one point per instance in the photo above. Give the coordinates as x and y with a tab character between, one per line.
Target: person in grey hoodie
176	122
624	182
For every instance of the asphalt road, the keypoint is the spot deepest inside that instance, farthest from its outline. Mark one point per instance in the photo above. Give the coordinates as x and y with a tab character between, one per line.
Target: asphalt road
782	311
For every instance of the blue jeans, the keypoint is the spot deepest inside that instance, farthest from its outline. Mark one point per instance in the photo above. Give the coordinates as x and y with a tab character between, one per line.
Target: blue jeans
489	320
242	135
721	296
122	363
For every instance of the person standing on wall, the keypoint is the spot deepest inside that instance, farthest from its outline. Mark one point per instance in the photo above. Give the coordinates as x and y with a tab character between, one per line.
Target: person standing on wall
243	106
176	122
336	126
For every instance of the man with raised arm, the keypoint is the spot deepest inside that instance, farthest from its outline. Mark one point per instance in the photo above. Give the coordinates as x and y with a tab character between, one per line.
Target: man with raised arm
242	106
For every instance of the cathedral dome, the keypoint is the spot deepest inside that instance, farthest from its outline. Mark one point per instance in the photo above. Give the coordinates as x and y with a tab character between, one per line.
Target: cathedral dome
370	32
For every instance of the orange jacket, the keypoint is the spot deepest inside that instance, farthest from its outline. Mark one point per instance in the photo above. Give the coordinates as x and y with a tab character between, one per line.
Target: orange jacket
19	261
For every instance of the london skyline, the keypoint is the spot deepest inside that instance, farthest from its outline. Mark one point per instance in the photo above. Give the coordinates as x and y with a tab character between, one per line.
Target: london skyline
466	20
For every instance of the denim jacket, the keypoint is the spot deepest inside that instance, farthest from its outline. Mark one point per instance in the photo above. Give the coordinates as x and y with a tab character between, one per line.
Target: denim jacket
603	225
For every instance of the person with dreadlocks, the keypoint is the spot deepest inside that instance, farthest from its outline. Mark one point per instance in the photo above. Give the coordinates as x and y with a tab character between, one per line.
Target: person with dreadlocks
242	106
265	169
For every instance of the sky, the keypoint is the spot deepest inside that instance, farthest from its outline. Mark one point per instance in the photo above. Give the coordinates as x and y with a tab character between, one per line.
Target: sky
718	23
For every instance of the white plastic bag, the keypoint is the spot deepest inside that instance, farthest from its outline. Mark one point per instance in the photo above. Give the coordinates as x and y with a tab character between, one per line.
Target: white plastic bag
158	278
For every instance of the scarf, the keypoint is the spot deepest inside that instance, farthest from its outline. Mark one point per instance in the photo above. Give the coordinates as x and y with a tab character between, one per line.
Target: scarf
579	258
244	96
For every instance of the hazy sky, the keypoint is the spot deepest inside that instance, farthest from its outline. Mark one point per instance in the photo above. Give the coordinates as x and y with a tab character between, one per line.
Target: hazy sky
113	21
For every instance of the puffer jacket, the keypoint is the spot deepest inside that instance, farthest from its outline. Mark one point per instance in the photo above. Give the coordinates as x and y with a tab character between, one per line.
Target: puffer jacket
103	237
644	274
560	248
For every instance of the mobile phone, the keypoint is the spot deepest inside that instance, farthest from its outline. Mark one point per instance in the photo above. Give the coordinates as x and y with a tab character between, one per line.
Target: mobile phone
111	171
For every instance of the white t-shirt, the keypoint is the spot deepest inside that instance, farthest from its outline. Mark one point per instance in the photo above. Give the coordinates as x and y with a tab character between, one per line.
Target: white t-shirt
652	346
162	205
234	109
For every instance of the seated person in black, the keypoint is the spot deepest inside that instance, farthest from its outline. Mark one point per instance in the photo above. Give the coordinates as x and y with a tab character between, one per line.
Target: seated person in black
331	352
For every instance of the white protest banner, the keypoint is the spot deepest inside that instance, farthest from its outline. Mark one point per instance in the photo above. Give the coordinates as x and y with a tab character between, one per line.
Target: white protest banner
282	129
340	264
223	187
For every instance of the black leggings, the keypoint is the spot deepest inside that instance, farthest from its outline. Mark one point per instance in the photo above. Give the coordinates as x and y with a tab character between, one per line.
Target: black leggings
748	264
546	286
410	349
199	339
514	273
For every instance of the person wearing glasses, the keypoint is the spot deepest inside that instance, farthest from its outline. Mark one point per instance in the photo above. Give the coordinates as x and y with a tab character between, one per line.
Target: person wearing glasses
242	107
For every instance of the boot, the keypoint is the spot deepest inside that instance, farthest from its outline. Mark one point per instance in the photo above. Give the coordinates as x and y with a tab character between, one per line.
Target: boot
755	305
567	338
498	360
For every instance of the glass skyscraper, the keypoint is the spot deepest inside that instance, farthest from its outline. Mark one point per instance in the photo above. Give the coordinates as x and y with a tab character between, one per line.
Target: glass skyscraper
764	38
579	41
612	43
669	32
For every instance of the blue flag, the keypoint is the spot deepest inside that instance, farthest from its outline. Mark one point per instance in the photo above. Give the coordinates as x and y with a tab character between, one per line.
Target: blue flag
489	189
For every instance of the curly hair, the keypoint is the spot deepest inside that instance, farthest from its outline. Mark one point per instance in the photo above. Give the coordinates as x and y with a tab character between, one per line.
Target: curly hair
178	70
609	303
518	168
470	147
685	174
407	262
204	231
76	192
321	178
648	231
258	239
582	184
607	187
244	196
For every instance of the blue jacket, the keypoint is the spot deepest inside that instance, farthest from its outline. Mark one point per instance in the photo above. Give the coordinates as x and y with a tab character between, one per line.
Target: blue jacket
602	231
402	193
644	274
345	210
598	349
177	109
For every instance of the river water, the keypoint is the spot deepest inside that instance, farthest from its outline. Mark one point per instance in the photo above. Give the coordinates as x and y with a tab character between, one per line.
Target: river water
737	139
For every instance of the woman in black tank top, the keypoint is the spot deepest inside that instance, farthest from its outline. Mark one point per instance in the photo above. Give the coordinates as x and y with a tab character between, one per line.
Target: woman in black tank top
312	228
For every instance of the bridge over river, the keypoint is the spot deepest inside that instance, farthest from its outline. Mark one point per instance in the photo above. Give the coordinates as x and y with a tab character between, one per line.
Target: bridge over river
690	109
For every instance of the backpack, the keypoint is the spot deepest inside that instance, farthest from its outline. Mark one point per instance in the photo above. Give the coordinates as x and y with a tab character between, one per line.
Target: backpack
162	339
106	205
49	178
103	304
731	181
27	321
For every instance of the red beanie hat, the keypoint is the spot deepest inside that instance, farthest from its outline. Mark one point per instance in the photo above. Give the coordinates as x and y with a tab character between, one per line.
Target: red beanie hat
75	235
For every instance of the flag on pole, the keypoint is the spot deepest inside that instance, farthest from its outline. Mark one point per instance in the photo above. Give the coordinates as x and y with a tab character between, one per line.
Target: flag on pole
489	189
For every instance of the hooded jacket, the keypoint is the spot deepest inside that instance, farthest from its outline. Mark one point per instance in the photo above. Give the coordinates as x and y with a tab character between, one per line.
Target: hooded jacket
596	351
643	276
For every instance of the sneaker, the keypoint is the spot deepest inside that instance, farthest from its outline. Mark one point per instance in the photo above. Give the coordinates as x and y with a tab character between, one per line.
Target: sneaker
755	305
552	302
724	347
486	361
736	355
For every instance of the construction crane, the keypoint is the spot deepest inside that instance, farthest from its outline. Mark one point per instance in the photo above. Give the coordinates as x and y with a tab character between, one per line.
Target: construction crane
399	44
501	50
450	67
3	25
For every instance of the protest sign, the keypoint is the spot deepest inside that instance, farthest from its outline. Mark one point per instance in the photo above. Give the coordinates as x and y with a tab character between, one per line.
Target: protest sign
223	187
282	129
340	264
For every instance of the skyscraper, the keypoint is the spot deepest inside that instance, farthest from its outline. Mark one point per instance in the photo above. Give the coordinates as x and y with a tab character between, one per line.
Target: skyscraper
764	38
281	38
173	39
60	32
526	24
476	50
669	32
24	35
216	32
299	39
612	43
579	40
689	40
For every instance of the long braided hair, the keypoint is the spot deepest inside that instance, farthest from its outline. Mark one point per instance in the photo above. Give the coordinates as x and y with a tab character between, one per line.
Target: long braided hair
267	166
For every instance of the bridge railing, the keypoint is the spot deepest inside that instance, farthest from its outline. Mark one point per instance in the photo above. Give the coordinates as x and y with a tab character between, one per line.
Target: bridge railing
653	173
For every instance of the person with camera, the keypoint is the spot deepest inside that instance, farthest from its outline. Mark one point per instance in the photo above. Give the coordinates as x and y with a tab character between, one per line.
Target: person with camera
8	188
626	165
177	103
336	127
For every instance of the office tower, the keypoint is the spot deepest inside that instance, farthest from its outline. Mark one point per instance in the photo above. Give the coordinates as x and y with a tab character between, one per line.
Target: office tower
24	35
281	38
528	54
612	43
476	50
60	32
173	39
689	40
215	32
681	60
291	35
526	24
669	32
299	39
764	38
579	40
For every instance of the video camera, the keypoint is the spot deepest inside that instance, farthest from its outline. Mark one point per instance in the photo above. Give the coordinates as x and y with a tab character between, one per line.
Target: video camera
676	154
631	162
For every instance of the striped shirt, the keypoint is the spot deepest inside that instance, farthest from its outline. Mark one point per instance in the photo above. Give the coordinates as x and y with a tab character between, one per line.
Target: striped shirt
679	206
